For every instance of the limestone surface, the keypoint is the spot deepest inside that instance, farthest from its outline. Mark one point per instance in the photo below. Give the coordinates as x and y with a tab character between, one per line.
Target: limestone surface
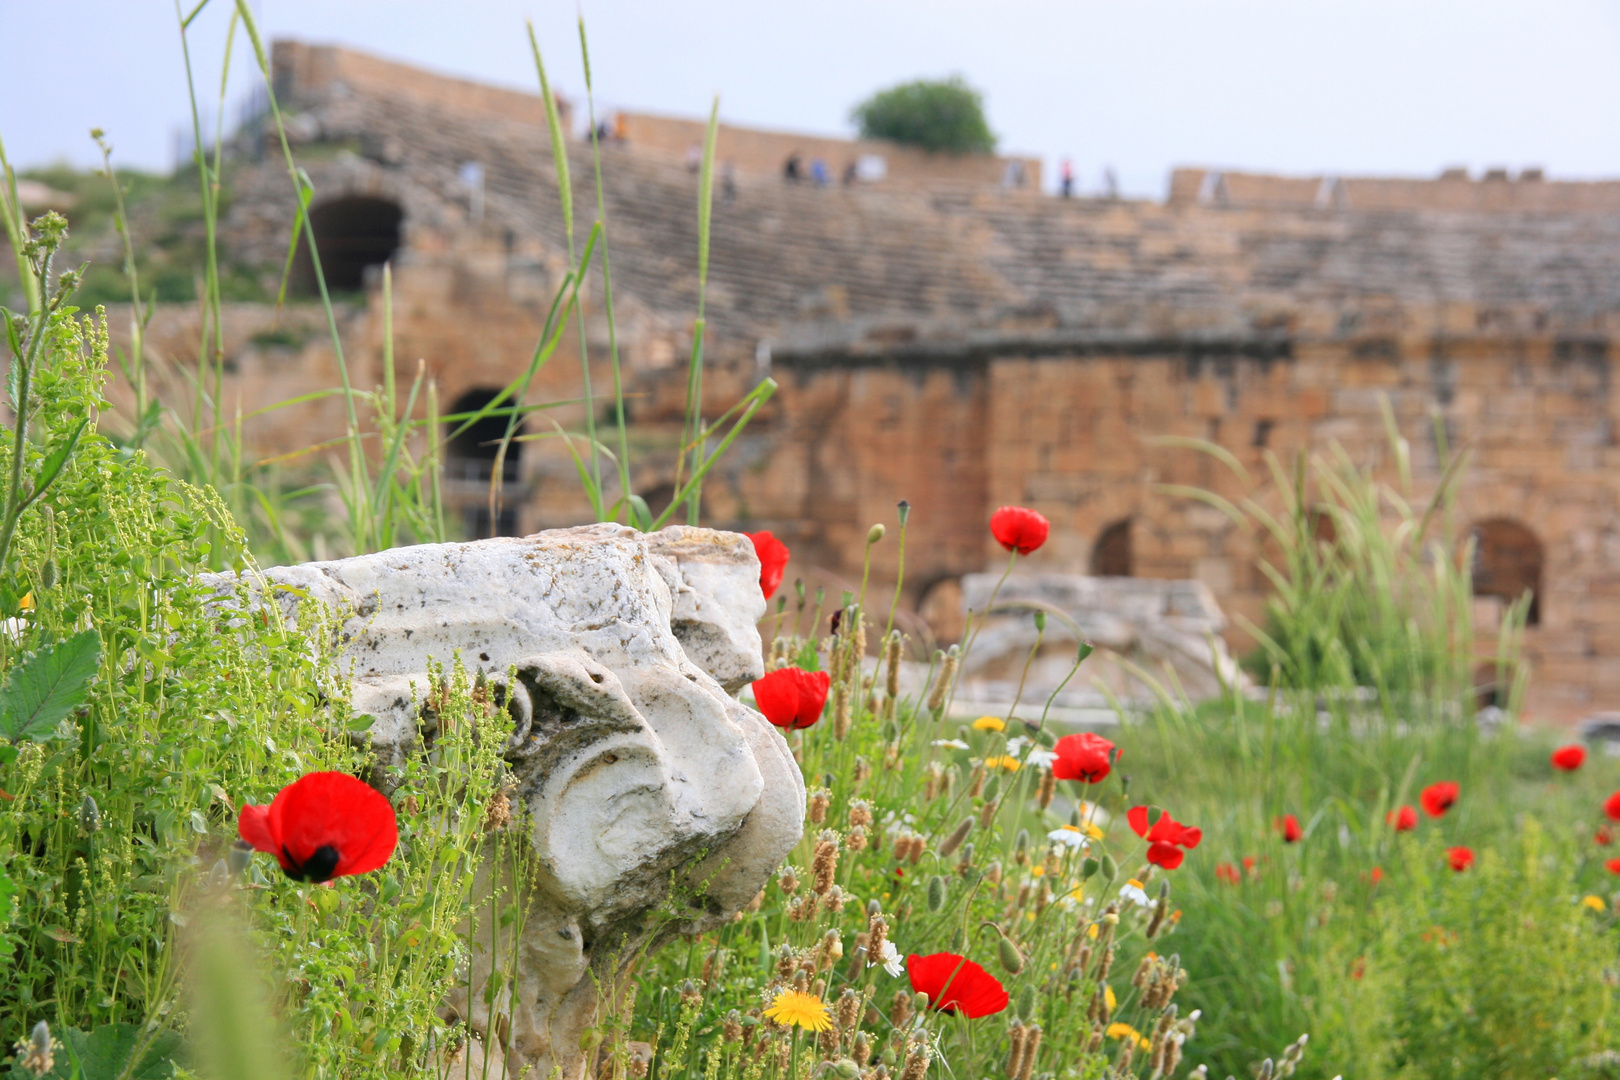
636	764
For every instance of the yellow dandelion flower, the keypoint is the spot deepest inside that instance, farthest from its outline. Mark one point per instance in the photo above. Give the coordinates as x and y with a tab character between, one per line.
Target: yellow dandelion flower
27	604
1001	761
1121	1030
1037	871
1091	931
1113	1002
1594	902
796	1007
1094	832
989	723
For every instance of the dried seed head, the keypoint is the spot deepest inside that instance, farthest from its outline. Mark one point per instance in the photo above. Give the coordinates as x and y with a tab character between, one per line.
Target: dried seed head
786	962
861	1050
1032	1048
919	844
731	1029
820	799
1047	789
36	1055
992	873
834	900
891	660
849	1010
498	815
900	1009
831	950
877	934
1015	1049
987	813
942	682
787	880
843	717
954	841
863	770
860	813
856	840
917	1058
824	866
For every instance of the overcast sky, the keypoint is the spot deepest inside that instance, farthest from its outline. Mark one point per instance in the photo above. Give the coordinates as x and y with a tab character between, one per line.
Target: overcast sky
1305	86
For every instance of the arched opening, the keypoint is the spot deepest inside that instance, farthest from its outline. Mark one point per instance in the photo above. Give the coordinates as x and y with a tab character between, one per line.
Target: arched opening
352	233
941	608
1507	563
1111	554
473	447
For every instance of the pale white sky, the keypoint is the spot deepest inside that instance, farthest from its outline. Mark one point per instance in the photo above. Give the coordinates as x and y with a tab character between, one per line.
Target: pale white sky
1347	86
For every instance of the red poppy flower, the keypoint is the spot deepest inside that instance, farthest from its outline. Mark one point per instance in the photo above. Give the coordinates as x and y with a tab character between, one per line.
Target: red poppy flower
1402	820
1377	875
1248	864
954	982
1569	758
322	826
1225	871
1613	866
1460	858
1288	825
1082	757
1165	838
1019	529
1603	836
791	697
1438	798
773	558
1611	807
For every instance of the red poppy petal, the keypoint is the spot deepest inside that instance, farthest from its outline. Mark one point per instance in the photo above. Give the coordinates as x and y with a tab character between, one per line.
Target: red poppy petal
773	559
1166	855
777	696
333	809
1137	818
813	688
253	825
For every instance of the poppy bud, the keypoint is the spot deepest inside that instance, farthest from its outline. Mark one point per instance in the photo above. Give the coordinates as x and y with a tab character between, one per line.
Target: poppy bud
1026	1000
219	876
1088	867
992	790
47	575
905	512
1012	961
1110	868
1021	847
874	534
966	862
844	1069
238	857
936	894
1040	620
89	815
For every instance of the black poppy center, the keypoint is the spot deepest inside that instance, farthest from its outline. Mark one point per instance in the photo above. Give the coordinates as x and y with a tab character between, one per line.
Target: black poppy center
317	868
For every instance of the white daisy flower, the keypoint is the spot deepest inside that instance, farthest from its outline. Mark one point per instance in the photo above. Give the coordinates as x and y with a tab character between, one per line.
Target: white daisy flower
1040	759
1132	890
1069	836
951	744
890	958
1016	744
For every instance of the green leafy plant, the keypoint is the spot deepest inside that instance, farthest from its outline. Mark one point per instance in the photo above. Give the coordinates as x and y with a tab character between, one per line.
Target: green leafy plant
942	115
43	690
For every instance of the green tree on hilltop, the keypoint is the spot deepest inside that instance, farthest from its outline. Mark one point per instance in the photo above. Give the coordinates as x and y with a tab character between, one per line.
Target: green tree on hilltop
935	114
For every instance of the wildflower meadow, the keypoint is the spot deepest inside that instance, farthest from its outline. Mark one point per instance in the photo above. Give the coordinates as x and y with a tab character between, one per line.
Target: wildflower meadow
1349	865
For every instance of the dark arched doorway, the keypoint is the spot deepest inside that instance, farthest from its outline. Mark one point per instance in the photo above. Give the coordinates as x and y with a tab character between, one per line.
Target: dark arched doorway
469	462
352	234
1508	561
1111	554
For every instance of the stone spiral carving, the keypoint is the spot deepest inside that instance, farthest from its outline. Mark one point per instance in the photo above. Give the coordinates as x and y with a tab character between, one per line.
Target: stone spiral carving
636	764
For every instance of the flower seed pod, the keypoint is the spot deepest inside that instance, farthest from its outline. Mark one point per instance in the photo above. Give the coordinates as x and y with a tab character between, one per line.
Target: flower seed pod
849	1010
498	814
936	894
842	716
831	951
1021	847
860	812
787	880
917	1059
843	1068
820	799
965	865
1026	1000
875	533
47	576
731	1029
954	841
987	814
862	1048
89	815
1110	868
992	790
856	840
1088	867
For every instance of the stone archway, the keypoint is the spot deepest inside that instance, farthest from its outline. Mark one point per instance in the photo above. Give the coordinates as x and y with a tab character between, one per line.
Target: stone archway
1111	554
1508	562
353	234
